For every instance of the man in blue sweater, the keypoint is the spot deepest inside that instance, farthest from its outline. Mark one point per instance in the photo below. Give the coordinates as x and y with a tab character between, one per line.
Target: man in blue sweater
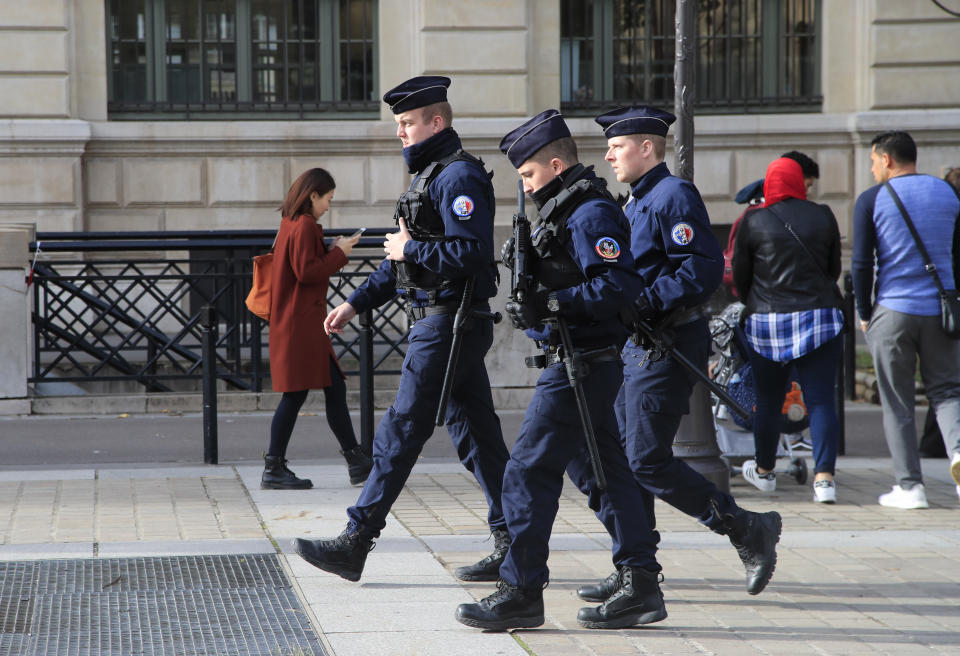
902	323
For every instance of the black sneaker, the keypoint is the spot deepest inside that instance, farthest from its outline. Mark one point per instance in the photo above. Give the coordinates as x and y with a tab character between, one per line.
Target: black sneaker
510	607
600	592
755	537
637	600
344	556
487	568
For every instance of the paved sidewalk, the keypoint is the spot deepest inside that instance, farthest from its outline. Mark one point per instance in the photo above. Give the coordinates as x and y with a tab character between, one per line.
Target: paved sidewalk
852	578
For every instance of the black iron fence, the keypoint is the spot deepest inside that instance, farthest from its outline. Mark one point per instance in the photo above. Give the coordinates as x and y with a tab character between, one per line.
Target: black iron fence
130	307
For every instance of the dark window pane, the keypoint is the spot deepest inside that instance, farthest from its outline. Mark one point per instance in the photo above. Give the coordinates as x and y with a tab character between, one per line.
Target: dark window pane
750	53
302	55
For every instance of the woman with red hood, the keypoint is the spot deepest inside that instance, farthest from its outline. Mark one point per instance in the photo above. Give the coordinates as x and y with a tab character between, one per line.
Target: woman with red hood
785	266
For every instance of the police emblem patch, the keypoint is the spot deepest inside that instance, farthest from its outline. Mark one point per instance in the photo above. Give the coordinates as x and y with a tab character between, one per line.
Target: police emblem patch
607	248
682	234
463	206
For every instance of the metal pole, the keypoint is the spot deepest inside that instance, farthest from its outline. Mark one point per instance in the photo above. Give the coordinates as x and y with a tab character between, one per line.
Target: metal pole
208	331
684	87
366	381
696	439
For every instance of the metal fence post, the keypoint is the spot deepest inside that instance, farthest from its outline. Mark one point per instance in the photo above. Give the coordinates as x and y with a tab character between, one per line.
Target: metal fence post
850	339
208	331
256	353
366	380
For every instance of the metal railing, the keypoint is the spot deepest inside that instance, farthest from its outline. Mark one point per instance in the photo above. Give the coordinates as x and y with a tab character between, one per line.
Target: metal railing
110	308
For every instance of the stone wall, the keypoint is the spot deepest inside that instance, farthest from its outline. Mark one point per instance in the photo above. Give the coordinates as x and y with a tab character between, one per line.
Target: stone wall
63	166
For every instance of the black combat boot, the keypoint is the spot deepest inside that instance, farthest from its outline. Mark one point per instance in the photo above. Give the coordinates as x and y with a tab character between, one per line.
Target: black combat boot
488	568
359	464
637	600
755	537
277	476
510	607
343	556
600	592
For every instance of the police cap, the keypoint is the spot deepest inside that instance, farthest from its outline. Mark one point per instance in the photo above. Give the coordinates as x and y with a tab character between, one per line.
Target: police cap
637	119
751	192
417	92
521	144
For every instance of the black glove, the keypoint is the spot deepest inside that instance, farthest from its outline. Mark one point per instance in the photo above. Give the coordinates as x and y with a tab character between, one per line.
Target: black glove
642	309
531	312
506	253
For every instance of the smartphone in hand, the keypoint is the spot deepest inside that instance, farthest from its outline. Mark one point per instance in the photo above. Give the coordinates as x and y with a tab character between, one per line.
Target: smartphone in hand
357	233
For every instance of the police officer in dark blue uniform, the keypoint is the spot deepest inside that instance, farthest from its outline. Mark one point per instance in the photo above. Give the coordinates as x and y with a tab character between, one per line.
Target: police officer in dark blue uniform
444	244
681	264
582	272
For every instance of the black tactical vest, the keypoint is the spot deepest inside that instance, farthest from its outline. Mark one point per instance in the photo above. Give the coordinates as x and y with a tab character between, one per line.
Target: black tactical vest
555	268
424	224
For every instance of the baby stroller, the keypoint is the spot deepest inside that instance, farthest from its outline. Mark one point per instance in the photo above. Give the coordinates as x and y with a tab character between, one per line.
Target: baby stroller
731	370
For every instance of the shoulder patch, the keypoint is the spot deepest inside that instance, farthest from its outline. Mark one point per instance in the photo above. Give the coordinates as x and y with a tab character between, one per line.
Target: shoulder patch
682	234
463	206
607	248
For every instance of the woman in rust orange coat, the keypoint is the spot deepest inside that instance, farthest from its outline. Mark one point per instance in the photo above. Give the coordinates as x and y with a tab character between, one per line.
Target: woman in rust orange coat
301	355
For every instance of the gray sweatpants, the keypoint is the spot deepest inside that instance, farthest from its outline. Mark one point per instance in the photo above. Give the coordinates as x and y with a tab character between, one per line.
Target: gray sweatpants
896	340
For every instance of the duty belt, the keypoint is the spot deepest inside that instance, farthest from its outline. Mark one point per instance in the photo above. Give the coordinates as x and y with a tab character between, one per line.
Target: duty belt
673	319
555	354
415	314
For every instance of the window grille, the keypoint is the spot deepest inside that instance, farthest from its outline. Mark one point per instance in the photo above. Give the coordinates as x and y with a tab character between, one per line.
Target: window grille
752	55
271	59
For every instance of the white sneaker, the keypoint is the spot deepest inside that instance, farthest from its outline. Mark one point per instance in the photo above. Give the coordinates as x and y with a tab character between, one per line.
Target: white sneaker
955	469
825	491
911	499
763	482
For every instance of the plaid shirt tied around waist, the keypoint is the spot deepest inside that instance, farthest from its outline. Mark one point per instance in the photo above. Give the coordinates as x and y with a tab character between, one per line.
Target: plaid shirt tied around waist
786	336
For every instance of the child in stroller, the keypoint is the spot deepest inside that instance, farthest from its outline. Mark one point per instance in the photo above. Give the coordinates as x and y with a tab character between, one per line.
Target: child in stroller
732	371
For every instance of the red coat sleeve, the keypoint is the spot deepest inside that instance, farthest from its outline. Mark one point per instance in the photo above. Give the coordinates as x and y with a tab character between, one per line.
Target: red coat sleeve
311	262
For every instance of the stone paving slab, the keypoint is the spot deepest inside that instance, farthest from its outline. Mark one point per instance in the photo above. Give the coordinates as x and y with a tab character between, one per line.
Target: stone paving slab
854	578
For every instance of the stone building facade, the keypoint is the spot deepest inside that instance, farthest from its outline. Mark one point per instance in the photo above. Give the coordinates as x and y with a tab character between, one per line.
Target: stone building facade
67	165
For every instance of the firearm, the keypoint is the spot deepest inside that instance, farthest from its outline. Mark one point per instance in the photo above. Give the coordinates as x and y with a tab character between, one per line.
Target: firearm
522	279
662	342
574	363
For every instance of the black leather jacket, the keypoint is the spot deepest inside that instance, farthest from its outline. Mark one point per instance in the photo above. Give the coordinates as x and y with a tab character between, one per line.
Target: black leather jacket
773	273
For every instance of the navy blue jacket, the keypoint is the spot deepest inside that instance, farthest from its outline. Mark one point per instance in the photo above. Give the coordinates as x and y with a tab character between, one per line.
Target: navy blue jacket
674	250
461	187
598	238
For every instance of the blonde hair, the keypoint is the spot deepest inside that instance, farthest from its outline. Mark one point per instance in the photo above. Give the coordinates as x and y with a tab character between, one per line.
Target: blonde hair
659	143
441	109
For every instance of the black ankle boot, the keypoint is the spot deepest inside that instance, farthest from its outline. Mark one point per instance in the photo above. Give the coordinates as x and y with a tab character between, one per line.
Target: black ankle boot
510	607
359	464
488	568
344	555
277	476
755	537
637	600
600	592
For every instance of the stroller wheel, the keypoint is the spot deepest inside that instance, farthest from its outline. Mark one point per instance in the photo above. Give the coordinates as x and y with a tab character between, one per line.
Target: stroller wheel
798	469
